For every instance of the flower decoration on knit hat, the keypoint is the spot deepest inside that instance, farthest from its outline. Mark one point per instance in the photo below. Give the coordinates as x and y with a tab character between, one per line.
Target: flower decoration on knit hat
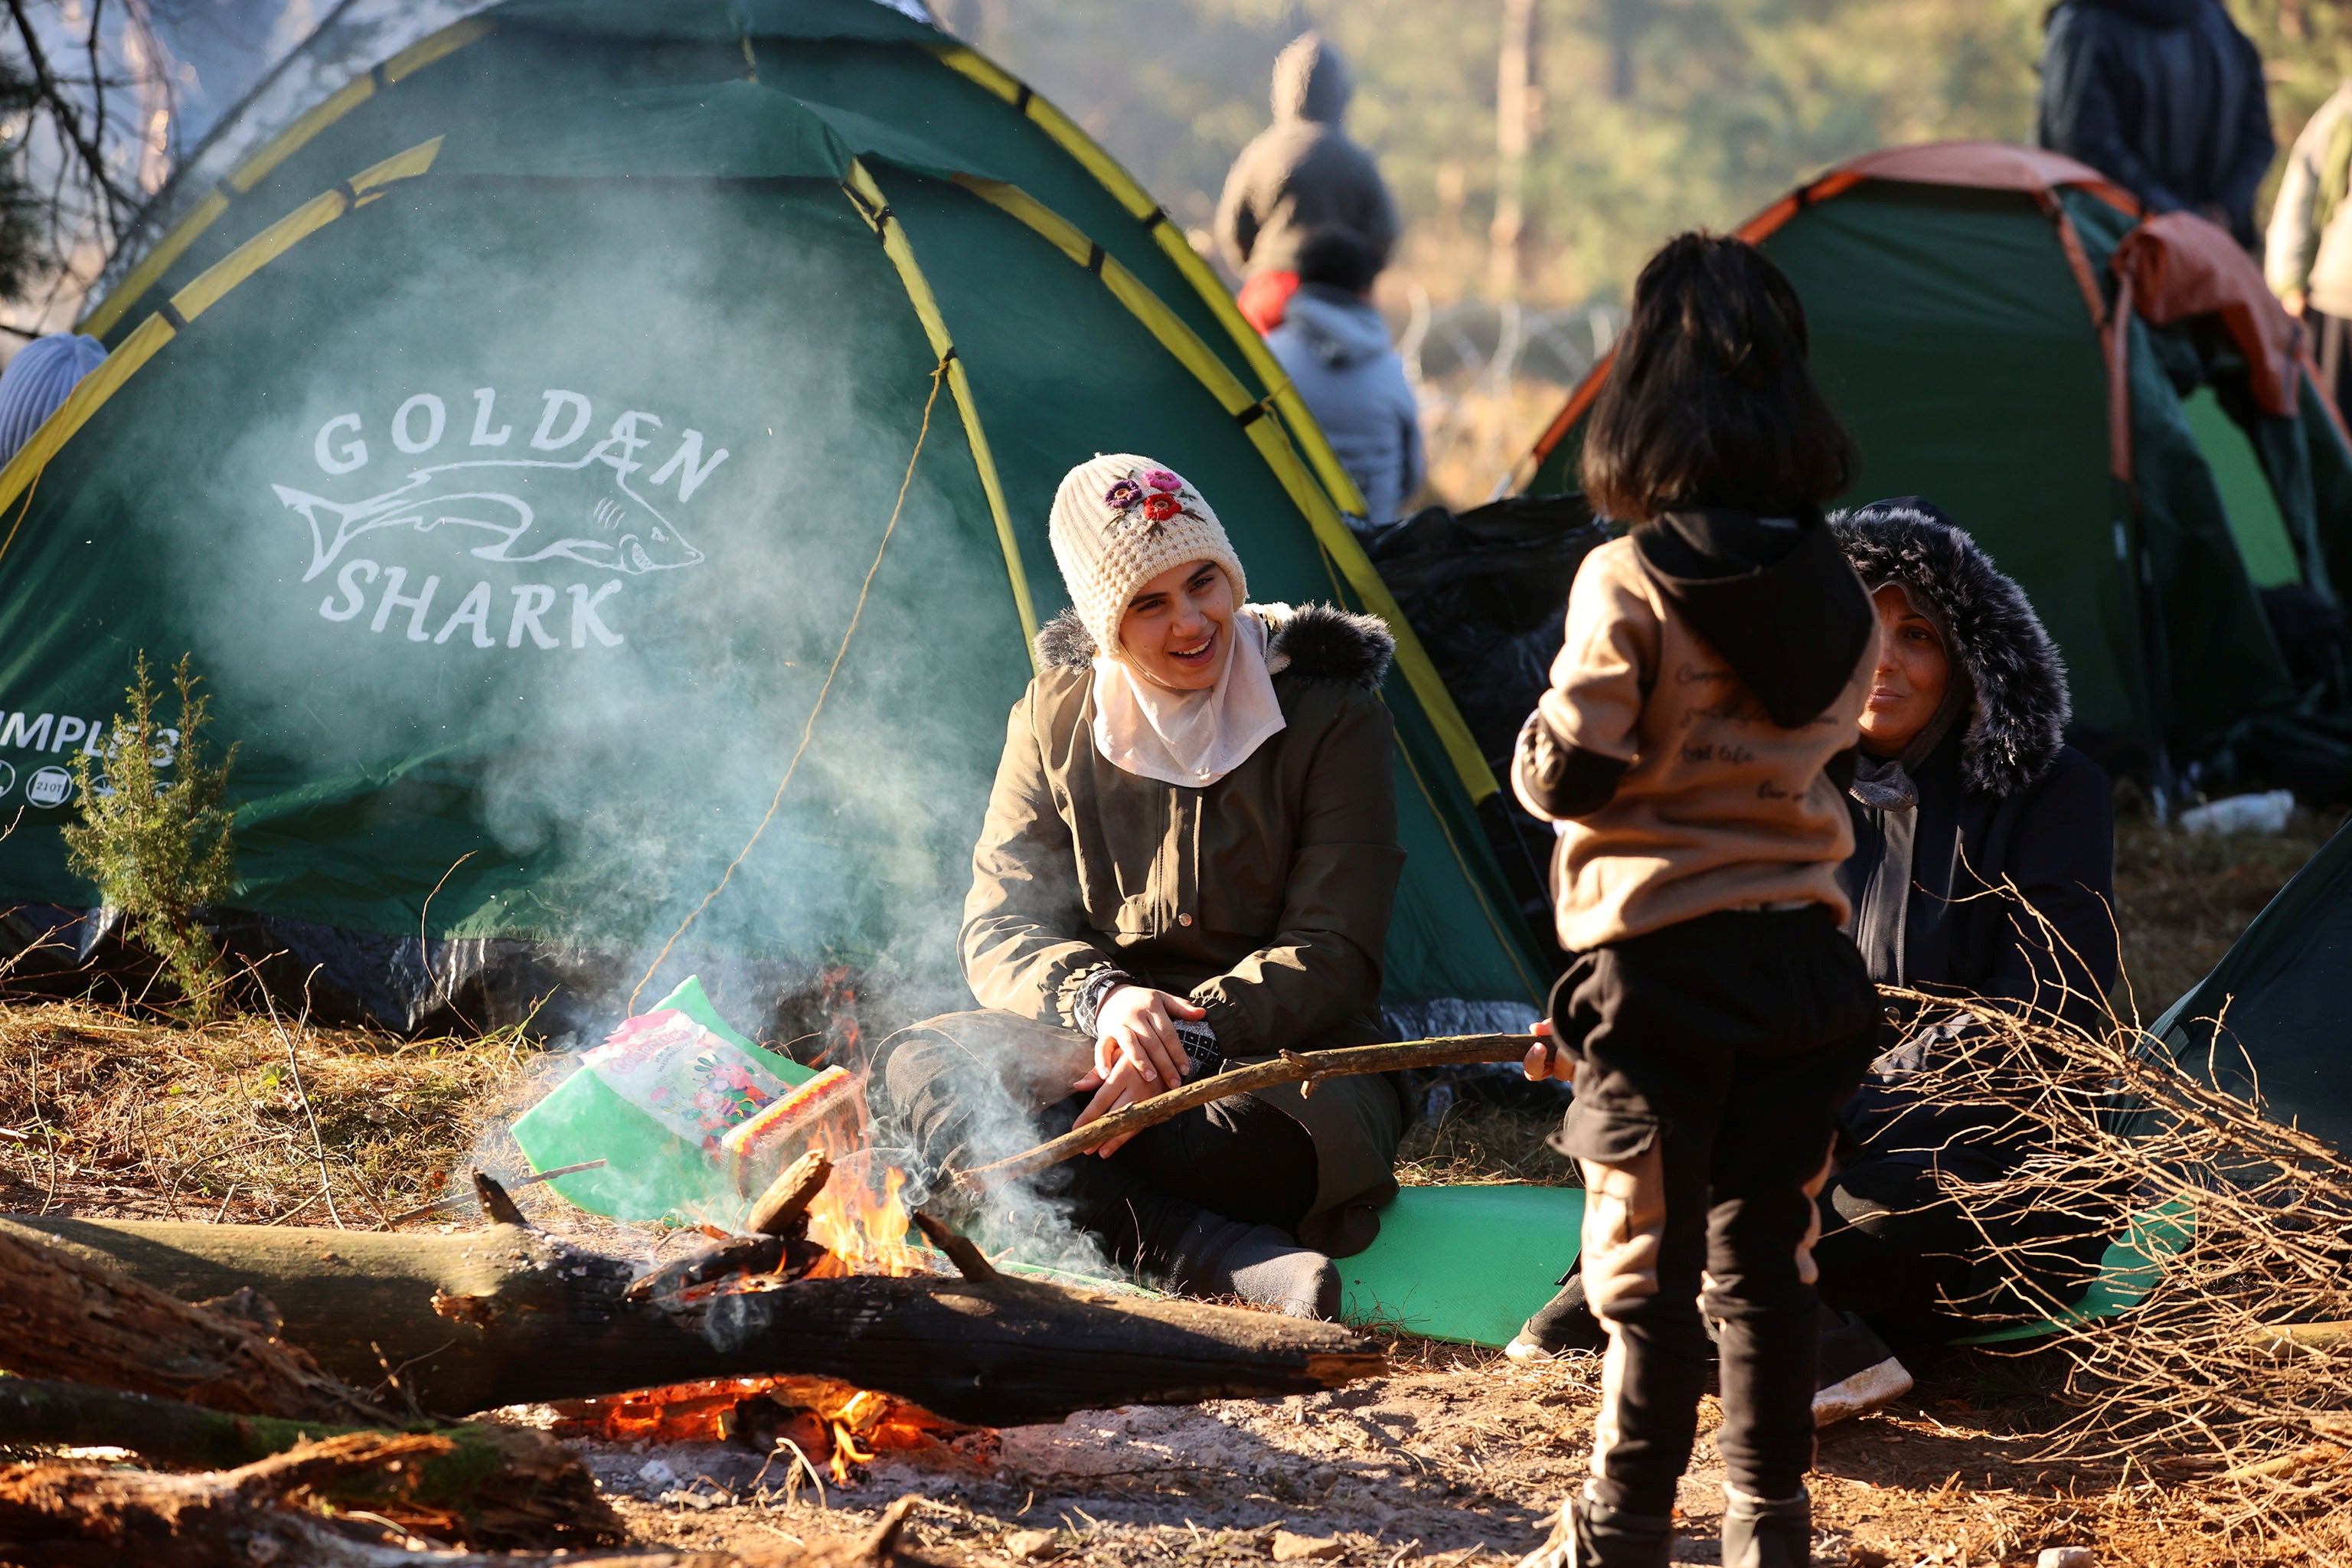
1159	495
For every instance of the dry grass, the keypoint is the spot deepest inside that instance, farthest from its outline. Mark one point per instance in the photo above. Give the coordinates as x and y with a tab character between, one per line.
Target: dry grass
128	1118
1476	1143
2180	900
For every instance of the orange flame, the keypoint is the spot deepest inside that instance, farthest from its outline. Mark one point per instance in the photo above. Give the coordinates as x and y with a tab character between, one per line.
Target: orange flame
863	1230
855	1423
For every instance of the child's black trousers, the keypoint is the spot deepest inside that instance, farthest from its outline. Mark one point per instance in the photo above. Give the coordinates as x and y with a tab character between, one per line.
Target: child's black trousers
1711	1055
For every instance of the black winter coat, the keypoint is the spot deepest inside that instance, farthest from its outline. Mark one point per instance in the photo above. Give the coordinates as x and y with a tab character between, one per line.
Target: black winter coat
1964	935
2010	847
2164	97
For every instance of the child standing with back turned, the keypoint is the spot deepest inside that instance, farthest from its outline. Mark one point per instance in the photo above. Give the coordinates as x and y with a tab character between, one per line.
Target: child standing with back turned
1693	748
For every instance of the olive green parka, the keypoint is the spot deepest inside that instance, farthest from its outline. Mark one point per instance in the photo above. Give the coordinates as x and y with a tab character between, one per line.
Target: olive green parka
1264	897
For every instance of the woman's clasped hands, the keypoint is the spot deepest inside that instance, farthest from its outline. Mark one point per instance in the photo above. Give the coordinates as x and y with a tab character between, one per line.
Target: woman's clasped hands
1136	1054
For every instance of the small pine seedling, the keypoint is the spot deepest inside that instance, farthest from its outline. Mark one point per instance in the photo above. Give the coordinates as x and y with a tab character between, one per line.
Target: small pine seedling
153	834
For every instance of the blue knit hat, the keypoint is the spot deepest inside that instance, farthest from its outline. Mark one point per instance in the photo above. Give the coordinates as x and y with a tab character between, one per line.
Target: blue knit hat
37	380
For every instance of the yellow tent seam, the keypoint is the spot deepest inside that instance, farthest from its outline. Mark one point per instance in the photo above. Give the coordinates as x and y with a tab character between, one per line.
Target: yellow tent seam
1477	891
1090	155
1331	530
202	293
875	208
258	165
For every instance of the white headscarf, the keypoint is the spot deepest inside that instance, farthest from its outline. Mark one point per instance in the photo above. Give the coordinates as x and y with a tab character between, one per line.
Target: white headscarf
1191	739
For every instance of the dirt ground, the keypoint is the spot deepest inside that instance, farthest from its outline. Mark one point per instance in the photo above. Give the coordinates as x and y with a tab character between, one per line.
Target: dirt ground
1457	1458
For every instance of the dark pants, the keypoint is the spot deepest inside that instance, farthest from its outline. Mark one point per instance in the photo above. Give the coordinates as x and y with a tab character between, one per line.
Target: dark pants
1899	1249
1711	1055
967	1098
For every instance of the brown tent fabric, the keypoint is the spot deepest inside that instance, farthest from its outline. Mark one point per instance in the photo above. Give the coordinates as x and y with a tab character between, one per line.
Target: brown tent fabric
1986	166
2177	265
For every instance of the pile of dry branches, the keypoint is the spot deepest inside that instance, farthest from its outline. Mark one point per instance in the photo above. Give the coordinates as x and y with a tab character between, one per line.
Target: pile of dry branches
2231	1383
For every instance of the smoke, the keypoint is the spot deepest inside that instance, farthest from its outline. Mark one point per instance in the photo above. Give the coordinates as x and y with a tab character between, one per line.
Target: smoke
549	564
540	520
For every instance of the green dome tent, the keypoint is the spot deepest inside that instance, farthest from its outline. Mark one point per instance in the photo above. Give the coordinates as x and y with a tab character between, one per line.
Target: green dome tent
609	434
2146	464
2271	1015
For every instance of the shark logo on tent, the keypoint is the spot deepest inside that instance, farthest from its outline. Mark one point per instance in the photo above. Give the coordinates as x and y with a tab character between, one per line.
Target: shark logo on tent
607	525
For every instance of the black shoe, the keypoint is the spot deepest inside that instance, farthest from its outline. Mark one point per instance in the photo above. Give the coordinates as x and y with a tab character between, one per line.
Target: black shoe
1565	1324
1221	1257
1594	1535
1760	1534
1858	1372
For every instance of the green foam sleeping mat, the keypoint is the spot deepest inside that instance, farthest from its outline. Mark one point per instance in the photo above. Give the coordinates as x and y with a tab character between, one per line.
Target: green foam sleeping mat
1470	1264
1466	1263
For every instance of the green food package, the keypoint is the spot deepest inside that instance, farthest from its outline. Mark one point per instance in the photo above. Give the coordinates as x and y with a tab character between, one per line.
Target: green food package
652	1102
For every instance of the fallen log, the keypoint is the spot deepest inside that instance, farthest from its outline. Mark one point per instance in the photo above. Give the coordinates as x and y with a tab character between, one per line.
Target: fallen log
74	1512
1308	1068
500	1486
68	1315
511	1315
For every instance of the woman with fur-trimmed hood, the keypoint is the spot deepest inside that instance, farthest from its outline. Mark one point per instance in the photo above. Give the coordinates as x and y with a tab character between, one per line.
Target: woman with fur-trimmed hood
1189	859
1983	870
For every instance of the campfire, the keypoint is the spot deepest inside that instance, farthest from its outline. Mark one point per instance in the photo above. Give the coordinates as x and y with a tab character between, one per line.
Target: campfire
823	1420
825	1217
864	1231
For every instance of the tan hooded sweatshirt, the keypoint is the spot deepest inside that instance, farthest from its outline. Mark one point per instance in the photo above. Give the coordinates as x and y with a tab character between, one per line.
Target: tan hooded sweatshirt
1718	807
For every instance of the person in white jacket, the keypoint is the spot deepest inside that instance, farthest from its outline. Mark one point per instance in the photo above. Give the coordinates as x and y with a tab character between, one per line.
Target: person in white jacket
1335	348
2308	254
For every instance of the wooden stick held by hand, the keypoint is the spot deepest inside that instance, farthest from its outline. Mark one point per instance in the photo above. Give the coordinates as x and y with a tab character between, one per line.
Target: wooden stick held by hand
1292	1067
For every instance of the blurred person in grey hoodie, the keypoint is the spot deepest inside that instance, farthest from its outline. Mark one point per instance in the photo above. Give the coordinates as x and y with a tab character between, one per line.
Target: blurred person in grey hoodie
1335	348
2308	258
1301	174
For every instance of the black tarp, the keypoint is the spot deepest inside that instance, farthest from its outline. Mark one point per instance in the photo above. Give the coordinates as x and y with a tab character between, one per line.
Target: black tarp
1486	592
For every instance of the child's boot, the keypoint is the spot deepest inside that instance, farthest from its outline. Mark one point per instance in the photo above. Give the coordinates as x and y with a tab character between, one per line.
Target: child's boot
1761	1534
1591	1534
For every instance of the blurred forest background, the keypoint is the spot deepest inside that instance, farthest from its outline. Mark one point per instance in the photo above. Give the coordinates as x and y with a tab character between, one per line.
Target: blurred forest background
1639	118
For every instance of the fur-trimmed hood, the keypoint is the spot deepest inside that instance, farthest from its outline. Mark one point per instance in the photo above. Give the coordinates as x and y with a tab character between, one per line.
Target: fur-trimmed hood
2019	708
1316	641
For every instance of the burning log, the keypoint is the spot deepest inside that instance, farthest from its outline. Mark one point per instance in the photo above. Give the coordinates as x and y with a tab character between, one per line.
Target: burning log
77	1513
492	1486
511	1315
248	1394
779	1209
824	1417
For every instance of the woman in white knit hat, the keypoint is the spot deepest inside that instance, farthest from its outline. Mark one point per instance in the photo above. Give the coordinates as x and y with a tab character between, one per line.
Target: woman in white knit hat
1189	859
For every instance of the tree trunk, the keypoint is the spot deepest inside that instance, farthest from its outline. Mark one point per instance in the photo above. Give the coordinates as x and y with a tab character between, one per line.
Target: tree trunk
1515	101
509	1316
493	1486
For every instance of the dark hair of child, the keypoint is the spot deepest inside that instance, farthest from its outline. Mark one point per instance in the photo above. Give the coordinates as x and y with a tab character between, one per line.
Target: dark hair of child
1338	258
1709	401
